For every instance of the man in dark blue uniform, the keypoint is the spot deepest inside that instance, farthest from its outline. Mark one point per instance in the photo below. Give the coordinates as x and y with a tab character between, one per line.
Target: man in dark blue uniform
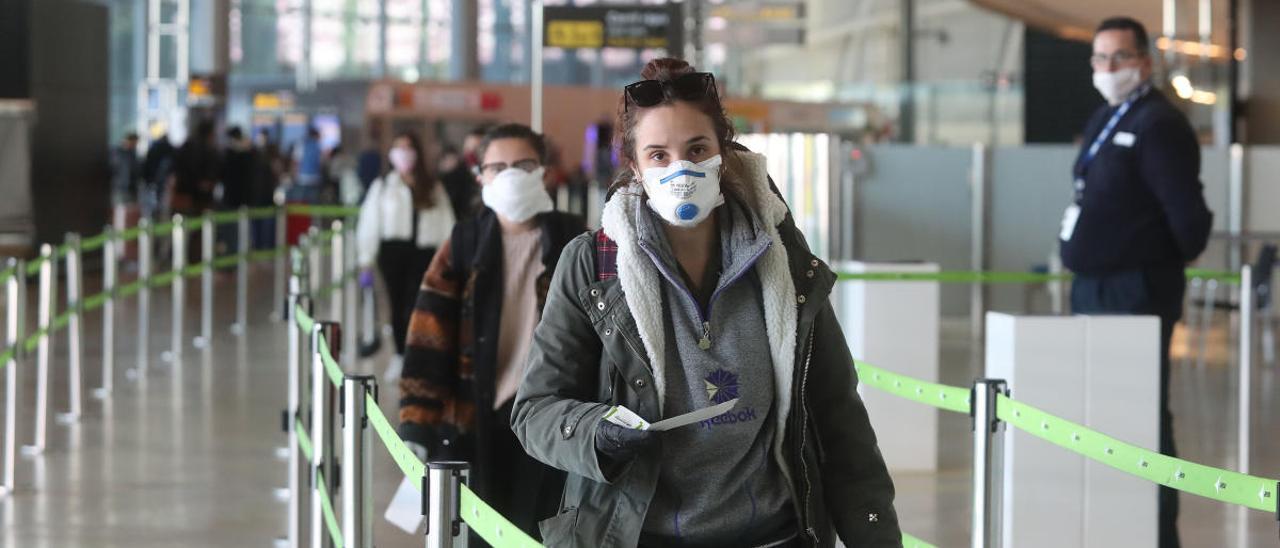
1138	215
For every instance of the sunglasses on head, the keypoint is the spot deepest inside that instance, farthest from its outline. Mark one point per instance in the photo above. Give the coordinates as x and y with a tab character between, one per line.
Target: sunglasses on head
689	87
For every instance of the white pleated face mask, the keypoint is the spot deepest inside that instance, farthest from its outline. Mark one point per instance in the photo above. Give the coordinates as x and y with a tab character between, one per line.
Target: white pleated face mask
517	195
684	193
1116	86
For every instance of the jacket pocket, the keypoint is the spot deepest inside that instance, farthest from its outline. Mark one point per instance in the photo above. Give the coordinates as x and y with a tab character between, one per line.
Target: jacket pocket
558	530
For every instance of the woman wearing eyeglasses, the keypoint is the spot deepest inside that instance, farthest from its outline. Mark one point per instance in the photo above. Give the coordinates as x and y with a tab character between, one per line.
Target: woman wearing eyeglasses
473	323
403	220
698	291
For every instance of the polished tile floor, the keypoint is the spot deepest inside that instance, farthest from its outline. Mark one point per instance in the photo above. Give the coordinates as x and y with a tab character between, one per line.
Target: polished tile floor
187	454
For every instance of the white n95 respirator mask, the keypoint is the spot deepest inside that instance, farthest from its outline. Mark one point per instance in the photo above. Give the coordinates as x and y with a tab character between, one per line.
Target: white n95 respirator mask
517	195
684	193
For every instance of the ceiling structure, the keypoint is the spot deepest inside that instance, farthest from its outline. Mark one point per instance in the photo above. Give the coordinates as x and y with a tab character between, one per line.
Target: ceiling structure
1076	19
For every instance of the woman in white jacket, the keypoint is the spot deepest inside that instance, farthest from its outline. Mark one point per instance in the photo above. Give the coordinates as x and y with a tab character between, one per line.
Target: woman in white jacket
405	217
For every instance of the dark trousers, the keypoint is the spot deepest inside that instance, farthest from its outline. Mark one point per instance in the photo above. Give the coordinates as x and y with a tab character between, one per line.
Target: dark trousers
1153	292
402	265
517	486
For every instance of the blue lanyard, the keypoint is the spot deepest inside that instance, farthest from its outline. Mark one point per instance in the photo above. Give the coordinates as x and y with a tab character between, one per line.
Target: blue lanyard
1106	134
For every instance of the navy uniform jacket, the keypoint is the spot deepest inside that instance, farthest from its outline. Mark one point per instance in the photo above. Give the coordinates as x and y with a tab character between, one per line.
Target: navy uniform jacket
1143	205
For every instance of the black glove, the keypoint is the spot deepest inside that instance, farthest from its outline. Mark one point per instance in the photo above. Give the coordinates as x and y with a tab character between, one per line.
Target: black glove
619	445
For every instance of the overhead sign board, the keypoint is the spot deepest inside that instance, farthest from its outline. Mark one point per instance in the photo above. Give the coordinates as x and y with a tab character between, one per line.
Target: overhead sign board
756	23
631	27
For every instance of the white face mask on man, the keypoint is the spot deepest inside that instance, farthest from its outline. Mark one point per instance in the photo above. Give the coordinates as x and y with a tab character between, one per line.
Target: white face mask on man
517	195
684	193
1116	86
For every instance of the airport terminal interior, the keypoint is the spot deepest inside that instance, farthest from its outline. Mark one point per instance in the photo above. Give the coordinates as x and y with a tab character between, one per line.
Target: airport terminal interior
200	348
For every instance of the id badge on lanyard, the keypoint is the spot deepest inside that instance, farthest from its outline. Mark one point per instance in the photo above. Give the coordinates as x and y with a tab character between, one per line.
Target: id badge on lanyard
1072	215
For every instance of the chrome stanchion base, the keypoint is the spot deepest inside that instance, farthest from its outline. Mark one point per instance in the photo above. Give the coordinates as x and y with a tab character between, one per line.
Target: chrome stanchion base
101	393
281	494
237	329
131	373
68	418
166	356
32	451
198	342
281	543
282	453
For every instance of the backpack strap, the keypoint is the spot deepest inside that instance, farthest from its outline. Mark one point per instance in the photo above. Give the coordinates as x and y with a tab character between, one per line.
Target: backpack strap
606	257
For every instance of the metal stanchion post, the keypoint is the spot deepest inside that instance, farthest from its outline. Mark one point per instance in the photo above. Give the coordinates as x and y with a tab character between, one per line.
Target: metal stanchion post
144	296
445	528
15	297
357	462
179	247
336	272
323	398
1246	365
43	349
988	456
109	264
242	273
207	230
350	290
280	244
75	329
313	254
297	368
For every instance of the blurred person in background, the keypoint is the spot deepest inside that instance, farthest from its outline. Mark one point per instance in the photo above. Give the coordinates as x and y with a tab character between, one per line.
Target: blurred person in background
341	170
699	291
1138	216
309	163
458	169
126	171
239	168
269	169
473	324
196	169
369	162
155	175
405	217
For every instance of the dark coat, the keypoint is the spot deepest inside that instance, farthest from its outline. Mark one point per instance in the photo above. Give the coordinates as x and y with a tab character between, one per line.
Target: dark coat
450	360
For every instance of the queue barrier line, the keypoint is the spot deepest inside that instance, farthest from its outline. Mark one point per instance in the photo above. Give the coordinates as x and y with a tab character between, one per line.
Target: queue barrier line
162	279
162	229
304	320
33	267
131	288
304	440
130	234
404	457
226	217
94	243
227	261
264	254
331	366
947	398
1213	483
322	210
1222	485
330	519
193	223
265	212
489	524
998	277
909	541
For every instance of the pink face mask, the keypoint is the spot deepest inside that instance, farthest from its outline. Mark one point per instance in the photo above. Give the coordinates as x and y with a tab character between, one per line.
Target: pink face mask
402	159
